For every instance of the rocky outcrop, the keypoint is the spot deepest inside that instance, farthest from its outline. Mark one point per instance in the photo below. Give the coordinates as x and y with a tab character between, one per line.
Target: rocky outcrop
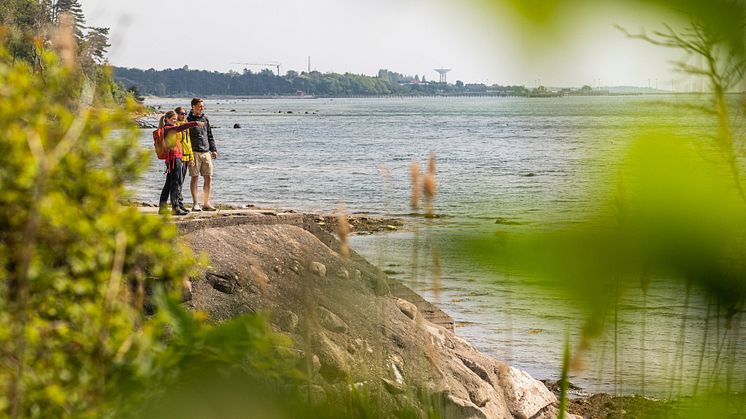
145	123
346	323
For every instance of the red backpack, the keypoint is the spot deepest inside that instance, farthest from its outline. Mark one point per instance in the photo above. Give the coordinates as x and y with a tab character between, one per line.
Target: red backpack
159	142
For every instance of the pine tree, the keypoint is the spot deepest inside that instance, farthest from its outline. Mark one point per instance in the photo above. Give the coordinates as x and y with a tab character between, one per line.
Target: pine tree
95	45
74	9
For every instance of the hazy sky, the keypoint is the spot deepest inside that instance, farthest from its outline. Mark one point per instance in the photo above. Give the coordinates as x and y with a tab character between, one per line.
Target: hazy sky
363	36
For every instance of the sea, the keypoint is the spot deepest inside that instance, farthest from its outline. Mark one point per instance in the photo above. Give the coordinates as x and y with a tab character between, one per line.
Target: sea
500	164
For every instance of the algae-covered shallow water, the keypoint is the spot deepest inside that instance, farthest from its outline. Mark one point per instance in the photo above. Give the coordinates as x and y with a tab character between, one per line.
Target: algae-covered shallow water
502	163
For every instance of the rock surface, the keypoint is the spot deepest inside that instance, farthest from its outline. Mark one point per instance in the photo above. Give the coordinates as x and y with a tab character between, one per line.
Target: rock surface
355	328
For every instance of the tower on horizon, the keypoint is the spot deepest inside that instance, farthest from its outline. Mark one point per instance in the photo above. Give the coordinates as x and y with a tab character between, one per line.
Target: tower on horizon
442	72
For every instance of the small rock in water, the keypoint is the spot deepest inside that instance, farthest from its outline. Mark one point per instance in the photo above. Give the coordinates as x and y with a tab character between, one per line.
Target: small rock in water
506	221
236	125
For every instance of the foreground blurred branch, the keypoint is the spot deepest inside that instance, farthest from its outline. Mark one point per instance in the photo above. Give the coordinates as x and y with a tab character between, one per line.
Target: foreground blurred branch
723	67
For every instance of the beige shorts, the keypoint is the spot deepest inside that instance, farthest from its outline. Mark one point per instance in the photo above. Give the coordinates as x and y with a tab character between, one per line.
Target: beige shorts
202	164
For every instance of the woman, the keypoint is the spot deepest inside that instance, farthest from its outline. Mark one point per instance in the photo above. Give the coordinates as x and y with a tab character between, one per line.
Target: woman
173	162
187	158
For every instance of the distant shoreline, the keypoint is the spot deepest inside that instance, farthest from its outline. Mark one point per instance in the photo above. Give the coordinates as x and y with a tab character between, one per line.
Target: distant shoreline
391	96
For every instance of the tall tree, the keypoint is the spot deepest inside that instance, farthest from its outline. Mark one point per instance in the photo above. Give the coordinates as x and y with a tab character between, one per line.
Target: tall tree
74	9
96	44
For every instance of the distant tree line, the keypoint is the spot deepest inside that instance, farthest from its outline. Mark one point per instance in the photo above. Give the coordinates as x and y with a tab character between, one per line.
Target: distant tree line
187	82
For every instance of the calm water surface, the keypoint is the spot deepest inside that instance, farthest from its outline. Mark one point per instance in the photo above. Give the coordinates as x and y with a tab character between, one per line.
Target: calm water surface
517	160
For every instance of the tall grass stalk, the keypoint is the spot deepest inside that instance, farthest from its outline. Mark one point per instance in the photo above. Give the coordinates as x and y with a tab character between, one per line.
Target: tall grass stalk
564	379
643	334
343	230
617	376
720	342
703	350
429	186
678	374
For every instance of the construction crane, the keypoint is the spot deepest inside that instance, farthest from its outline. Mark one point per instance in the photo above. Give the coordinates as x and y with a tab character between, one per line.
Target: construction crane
270	64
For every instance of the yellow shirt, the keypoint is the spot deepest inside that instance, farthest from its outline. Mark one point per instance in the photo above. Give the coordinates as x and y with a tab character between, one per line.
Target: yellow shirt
186	143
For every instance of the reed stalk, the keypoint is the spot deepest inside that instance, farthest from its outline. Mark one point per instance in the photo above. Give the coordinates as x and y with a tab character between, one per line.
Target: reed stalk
429	187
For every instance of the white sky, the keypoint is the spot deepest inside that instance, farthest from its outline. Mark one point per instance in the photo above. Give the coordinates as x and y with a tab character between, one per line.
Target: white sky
363	36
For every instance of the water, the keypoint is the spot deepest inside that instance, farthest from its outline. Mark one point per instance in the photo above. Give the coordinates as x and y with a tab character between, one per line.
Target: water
518	160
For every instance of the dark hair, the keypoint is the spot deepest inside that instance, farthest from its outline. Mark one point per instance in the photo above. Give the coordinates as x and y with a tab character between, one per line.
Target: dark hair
196	100
180	109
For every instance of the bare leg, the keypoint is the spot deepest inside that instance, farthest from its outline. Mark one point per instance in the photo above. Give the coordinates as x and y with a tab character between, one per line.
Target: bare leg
206	190
193	188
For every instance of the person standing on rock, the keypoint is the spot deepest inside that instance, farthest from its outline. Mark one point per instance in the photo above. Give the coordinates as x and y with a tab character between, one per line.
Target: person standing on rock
187	157
172	132
203	147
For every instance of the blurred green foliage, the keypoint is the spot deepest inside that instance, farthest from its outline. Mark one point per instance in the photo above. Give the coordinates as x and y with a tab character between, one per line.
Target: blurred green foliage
539	21
678	211
77	267
73	261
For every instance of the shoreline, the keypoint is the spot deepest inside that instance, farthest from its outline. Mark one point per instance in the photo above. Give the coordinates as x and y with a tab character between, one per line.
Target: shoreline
362	224
445	96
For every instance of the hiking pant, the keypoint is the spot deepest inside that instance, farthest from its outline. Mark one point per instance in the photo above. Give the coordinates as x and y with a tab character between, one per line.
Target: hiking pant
184	171
173	184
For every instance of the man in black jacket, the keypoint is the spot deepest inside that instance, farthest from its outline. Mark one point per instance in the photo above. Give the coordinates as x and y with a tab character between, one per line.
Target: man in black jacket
203	146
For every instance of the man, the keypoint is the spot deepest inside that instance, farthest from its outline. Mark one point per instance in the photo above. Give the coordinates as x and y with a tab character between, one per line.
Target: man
204	151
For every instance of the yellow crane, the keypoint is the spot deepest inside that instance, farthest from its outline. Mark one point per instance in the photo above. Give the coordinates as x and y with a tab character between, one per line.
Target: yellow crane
270	64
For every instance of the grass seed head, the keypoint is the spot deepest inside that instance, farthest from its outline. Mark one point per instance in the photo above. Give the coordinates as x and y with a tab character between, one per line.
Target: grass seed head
343	230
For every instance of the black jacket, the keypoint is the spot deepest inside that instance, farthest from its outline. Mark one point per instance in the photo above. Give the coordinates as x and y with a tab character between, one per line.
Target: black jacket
202	140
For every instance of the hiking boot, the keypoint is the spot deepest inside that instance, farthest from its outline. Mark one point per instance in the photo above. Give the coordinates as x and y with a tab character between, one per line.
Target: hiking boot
163	208
183	208
179	211
196	207
208	207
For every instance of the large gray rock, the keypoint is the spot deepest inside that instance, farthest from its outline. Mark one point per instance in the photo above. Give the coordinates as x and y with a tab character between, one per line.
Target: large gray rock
354	329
